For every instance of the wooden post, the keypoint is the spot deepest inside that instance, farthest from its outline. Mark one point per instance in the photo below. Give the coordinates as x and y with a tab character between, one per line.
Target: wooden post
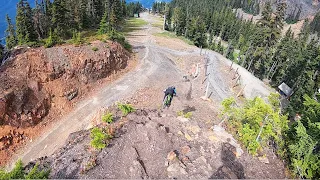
241	91
231	66
237	82
207	89
164	22
235	74
225	118
238	79
261	128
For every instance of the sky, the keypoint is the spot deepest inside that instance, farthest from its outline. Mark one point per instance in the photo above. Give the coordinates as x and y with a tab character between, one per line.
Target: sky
8	7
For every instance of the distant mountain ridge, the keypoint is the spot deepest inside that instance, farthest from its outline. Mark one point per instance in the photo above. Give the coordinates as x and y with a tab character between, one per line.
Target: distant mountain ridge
308	7
147	3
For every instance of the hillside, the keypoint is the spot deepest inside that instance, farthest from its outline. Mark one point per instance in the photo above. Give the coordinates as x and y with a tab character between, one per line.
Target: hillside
39	85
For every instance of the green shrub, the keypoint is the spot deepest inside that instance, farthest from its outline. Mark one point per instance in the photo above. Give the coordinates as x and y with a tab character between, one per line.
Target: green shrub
99	138
76	38
34	44
256	122
119	37
180	113
36	174
52	40
108	118
19	173
125	108
188	115
95	49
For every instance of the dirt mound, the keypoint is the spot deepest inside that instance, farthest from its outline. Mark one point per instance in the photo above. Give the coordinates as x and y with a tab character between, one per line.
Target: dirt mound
31	82
38	85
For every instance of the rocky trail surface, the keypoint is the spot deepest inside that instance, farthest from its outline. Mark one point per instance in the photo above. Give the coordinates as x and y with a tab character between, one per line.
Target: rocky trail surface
154	143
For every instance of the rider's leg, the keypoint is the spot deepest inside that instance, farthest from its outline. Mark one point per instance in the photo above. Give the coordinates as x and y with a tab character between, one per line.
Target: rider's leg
171	97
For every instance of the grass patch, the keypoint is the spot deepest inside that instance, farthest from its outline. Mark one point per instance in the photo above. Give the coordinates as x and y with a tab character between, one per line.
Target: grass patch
172	35
92	35
88	36
134	24
95	49
126	108
107	118
158	25
187	115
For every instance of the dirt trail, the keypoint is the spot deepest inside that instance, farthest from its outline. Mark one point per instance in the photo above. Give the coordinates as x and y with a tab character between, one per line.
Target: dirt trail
158	68
154	67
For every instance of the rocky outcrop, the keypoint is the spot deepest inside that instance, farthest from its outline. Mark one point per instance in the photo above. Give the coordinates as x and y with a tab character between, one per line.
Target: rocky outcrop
150	144
305	8
31	80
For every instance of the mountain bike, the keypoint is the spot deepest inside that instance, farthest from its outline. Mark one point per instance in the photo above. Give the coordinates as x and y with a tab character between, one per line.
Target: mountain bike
166	101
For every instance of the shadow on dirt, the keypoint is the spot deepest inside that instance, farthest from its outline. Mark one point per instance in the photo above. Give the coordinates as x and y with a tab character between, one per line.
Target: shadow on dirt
138	47
231	169
189	94
188	109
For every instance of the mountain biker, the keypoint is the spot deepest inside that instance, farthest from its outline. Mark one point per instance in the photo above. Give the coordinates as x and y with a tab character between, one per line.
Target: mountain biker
170	91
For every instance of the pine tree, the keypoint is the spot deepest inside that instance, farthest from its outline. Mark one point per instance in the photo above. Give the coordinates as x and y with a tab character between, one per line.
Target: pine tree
20	18
1	52
104	27
24	23
11	39
124	8
84	21
179	21
59	17
31	35
116	16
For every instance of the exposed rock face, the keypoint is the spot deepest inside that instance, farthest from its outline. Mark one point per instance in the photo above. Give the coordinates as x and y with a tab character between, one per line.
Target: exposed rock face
303	8
308	7
31	78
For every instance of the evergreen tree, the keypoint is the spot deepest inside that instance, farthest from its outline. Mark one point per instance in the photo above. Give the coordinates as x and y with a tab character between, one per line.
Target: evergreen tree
124	8
25	28
59	17
104	27
11	39
1	52
179	21
116	16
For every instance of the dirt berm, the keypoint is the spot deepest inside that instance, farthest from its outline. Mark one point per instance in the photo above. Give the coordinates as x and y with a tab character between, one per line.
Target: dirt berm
30	82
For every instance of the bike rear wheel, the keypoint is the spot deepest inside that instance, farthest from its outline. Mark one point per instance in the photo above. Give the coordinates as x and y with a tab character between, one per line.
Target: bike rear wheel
166	101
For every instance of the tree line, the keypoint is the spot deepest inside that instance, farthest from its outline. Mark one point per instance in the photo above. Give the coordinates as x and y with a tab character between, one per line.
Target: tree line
266	53
56	20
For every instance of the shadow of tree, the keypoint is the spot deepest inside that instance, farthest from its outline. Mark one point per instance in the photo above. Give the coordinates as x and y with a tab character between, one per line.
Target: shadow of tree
231	168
